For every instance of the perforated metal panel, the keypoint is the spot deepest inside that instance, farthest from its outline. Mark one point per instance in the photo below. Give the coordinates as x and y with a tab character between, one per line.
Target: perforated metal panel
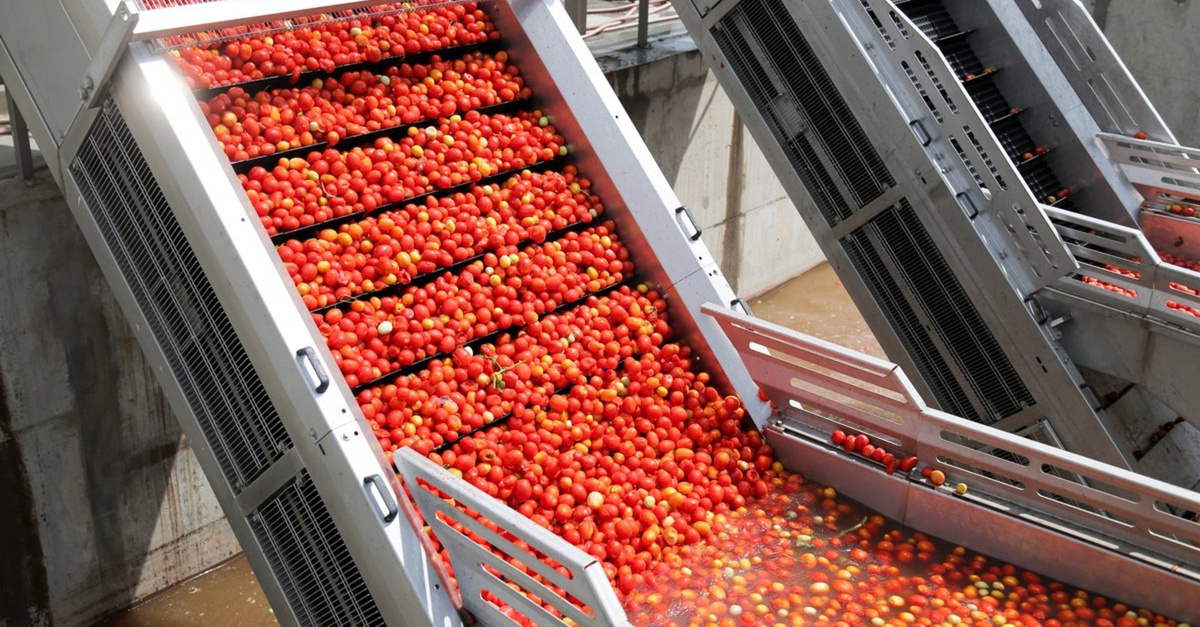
226	396
319	577
965	366
802	105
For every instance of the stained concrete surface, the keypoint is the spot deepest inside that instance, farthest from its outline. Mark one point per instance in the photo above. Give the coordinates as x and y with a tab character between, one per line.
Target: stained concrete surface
814	303
104	500
751	227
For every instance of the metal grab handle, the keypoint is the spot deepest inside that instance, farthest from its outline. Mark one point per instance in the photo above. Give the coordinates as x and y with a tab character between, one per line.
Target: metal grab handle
740	304
684	210
967	204
384	494
310	353
922	135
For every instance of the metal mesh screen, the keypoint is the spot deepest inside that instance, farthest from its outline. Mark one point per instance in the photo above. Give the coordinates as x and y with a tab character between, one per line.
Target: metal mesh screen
226	396
802	106
306	552
966	368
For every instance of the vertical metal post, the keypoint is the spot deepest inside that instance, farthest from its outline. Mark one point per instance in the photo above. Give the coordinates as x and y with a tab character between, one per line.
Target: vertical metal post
20	135
577	9
643	29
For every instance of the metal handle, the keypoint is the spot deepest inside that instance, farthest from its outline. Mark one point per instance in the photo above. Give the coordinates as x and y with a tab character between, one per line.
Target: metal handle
967	204
1036	310
385	495
683	210
740	304
310	354
922	135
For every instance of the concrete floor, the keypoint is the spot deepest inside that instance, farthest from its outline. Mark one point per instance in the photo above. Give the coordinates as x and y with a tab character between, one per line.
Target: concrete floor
814	303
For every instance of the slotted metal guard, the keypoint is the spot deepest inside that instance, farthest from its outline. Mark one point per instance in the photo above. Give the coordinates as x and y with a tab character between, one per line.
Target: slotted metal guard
490	567
1137	516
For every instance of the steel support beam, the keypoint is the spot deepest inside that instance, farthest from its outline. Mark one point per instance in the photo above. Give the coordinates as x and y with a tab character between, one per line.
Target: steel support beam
20	134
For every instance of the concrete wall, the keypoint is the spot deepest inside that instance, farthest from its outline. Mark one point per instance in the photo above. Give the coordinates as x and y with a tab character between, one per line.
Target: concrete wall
104	502
750	225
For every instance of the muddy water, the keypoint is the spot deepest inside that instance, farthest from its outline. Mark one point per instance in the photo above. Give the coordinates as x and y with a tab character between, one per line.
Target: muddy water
227	595
814	303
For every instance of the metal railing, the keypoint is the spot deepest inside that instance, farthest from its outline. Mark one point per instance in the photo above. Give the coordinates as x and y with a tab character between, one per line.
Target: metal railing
496	552
820	387
636	16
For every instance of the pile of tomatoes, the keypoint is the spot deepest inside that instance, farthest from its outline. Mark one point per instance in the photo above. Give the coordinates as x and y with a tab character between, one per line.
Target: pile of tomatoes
498	326
324	47
357	102
394	247
375	336
457	395
448	152
803	555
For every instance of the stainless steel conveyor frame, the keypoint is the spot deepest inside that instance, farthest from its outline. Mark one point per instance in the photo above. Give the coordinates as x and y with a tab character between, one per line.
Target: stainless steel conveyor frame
970	170
323	519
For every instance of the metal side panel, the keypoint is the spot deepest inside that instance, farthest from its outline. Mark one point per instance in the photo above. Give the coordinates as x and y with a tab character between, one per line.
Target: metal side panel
658	230
1111	254
1139	319
49	57
1158	355
1021	495
301	477
803	198
934	97
155	355
1061	96
1160	171
1096	74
